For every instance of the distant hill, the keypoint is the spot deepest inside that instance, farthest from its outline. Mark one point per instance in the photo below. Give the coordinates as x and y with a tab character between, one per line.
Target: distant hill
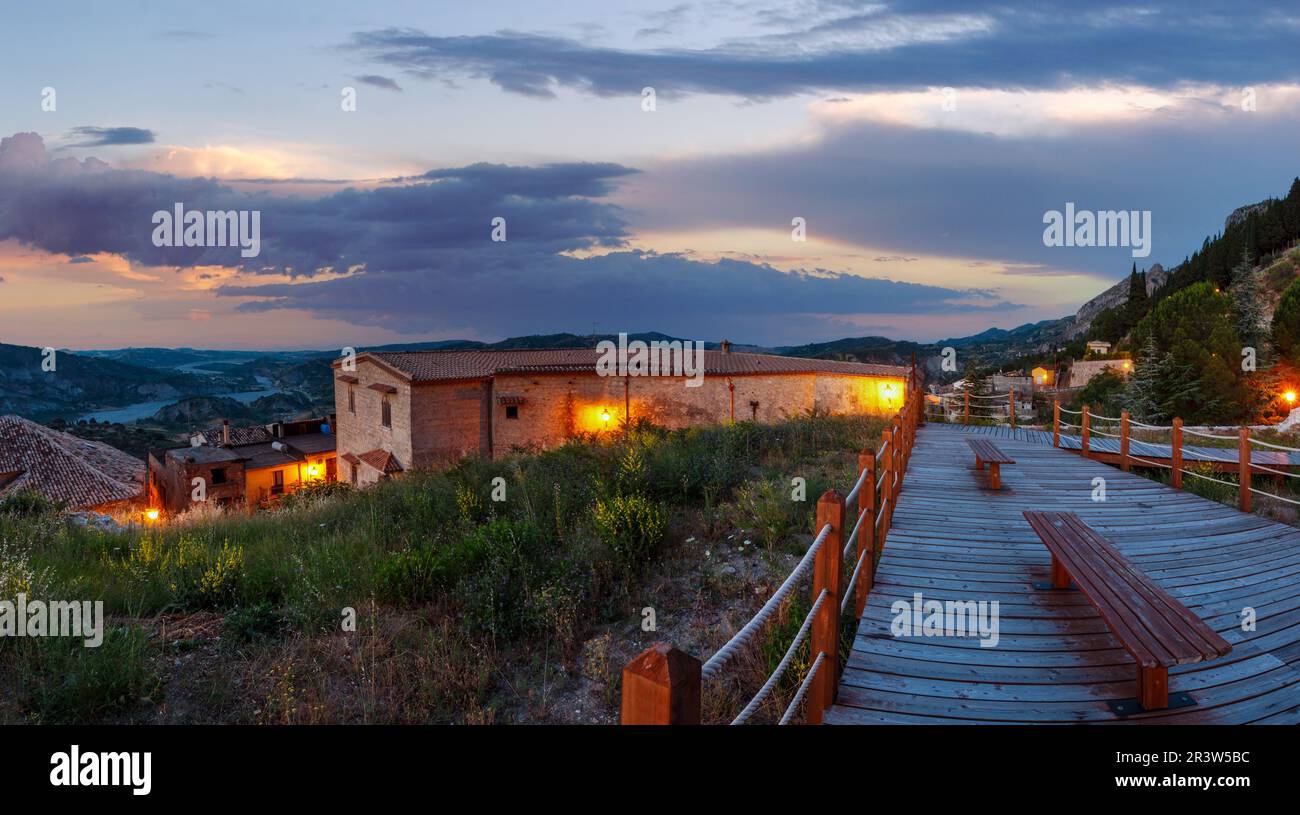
81	383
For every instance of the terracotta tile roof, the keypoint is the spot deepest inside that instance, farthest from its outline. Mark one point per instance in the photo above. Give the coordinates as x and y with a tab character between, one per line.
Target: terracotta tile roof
238	435
65	468
429	366
381	460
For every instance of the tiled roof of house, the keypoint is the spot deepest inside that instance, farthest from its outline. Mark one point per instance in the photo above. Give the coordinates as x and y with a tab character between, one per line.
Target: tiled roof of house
429	366
63	467
256	434
381	460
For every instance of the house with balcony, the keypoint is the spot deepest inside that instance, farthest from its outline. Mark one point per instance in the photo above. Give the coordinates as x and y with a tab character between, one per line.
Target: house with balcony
243	466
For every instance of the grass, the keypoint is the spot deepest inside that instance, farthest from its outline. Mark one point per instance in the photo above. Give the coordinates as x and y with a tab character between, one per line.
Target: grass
452	589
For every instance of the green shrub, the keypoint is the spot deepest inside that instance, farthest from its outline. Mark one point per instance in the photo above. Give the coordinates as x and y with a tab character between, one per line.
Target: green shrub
60	680
632	526
27	503
314	493
765	507
181	574
260	622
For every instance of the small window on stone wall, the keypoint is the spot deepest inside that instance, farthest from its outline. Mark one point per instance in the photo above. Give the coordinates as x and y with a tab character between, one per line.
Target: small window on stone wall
512	411
387	416
219	476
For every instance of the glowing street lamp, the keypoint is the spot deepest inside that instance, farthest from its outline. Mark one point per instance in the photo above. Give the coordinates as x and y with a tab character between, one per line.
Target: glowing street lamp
151	514
1289	396
604	418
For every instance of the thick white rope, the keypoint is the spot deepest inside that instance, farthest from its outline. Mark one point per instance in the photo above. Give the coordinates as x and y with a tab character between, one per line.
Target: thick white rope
1150	426
1145	461
1106	418
726	652
1261	467
853	580
1276	497
1208	435
1215	480
853	493
1254	440
848	544
784	664
803	688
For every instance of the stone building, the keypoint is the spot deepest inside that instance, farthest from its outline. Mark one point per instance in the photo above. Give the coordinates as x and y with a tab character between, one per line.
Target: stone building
243	466
398	411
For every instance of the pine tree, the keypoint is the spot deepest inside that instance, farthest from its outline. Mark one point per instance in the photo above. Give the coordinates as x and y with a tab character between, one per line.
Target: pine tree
1141	395
1248	307
976	383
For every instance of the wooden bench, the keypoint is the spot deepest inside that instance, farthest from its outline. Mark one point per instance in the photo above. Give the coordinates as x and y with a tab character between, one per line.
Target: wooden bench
987	451
1155	628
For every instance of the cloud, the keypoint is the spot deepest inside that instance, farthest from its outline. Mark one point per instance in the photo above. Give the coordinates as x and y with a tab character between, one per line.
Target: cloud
379	82
417	255
1056	44
977	196
110	136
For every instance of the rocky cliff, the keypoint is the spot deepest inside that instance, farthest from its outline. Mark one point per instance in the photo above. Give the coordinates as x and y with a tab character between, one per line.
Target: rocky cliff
1112	297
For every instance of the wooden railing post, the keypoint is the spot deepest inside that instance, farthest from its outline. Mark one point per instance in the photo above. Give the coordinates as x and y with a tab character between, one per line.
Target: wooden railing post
1056	422
920	401
1176	453
897	450
826	625
1123	441
1083	435
886	485
661	685
1012	413
1243	468
866	529
966	393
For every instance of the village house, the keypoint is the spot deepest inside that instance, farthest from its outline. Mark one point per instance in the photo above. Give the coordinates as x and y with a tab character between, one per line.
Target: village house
399	411
79	473
243	466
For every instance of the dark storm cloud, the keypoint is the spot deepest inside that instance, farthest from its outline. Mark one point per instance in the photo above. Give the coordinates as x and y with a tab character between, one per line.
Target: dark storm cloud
375	80
1045	44
976	195
422	255
109	136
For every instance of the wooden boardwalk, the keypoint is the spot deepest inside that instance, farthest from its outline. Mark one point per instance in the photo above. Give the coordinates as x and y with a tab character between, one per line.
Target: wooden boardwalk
952	539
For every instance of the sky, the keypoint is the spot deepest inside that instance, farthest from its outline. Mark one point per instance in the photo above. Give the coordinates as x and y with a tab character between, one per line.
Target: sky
769	172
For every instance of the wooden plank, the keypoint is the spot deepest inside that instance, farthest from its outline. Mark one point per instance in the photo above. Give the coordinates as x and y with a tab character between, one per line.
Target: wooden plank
952	540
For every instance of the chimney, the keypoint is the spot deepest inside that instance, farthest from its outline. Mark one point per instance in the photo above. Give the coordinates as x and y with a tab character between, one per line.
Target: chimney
726	346
225	432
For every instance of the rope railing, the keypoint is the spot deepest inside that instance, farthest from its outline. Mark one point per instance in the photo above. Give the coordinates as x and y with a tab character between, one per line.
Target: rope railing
1203	460
766	690
726	652
950	404
663	685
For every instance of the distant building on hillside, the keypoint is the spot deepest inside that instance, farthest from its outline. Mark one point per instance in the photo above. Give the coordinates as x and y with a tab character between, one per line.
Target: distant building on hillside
243	466
1043	377
399	411
1098	347
1082	371
81	473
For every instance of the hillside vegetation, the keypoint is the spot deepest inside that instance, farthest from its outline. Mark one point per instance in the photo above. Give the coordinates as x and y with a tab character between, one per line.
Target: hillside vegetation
468	609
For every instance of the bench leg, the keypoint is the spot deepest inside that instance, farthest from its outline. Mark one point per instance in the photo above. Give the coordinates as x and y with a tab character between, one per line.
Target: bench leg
1153	688
1060	577
995	475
